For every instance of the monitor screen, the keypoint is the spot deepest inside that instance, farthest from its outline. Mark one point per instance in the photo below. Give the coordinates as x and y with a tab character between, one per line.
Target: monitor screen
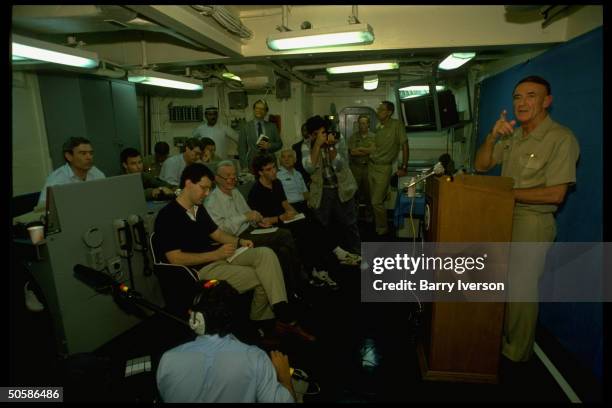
419	113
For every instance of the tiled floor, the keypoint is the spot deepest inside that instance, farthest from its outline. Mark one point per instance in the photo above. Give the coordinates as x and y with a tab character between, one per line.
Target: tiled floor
365	353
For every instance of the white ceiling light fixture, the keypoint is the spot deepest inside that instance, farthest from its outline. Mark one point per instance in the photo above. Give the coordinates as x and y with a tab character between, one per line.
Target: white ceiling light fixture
24	48
370	82
321	37
149	77
229	75
455	60
414	91
369	67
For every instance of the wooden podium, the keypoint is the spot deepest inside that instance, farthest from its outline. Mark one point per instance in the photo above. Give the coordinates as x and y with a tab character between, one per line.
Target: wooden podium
461	341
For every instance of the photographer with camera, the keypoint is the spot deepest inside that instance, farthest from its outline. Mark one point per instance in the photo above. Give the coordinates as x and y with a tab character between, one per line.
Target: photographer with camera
333	186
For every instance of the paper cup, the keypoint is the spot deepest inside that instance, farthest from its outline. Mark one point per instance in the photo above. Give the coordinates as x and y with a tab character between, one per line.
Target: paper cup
37	233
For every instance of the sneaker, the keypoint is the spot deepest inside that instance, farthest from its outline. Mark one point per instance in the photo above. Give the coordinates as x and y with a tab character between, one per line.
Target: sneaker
31	301
324	277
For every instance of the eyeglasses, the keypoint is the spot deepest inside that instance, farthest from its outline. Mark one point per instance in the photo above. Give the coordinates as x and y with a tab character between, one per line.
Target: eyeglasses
230	178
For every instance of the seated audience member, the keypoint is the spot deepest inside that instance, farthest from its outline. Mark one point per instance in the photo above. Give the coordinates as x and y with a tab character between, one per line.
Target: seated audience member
333	186
154	187
153	164
268	197
188	236
79	157
216	366
229	210
208	150
218	132
292	181
297	148
174	166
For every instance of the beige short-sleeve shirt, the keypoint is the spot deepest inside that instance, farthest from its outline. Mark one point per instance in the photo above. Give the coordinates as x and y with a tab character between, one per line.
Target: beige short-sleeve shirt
389	138
547	157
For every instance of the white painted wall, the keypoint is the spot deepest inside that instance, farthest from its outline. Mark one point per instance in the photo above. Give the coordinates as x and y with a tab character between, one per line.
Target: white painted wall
31	161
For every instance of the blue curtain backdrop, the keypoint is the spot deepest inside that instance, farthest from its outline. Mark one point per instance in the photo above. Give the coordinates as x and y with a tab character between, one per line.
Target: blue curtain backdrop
575	72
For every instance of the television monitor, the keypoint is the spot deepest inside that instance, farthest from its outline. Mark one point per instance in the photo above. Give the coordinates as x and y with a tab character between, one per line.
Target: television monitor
419	113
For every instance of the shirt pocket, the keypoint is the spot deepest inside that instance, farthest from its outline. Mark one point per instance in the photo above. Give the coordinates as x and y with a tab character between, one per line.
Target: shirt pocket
532	170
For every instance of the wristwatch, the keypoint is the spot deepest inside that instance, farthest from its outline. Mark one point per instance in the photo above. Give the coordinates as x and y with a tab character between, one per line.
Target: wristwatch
404	166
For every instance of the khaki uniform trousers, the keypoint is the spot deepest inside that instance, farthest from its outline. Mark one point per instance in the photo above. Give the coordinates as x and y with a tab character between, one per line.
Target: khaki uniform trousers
360	172
524	272
379	176
258	269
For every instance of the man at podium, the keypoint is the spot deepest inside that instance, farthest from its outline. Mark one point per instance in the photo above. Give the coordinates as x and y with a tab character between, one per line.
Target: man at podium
540	155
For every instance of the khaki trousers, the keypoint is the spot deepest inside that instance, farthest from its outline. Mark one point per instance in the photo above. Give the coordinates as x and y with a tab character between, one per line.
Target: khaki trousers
258	269
360	172
379	176
524	272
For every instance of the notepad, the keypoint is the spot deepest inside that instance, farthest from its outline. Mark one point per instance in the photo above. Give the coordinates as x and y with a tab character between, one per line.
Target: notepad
259	231
236	253
298	216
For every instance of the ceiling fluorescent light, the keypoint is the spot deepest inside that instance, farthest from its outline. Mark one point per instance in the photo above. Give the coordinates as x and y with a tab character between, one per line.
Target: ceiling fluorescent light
229	75
456	59
29	48
370	82
374	66
148	77
414	91
321	37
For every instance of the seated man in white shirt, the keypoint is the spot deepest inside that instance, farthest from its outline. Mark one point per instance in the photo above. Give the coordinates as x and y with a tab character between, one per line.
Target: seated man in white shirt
230	211
216	366
78	154
173	166
221	134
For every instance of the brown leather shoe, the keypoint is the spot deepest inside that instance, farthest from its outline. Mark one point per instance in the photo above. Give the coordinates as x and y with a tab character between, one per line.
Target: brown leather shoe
294	329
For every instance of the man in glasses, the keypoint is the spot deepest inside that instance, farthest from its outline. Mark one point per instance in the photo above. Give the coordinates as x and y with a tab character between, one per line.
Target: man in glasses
187	235
230	211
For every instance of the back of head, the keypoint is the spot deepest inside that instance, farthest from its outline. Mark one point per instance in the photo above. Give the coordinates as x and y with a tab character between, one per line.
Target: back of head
217	301
162	148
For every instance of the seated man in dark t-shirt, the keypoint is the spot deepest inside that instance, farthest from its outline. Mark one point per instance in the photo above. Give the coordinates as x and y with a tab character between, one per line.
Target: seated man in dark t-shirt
186	235
268	197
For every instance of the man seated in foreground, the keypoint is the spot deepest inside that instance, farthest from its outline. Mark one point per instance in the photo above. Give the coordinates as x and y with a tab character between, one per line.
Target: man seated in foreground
188	236
216	366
